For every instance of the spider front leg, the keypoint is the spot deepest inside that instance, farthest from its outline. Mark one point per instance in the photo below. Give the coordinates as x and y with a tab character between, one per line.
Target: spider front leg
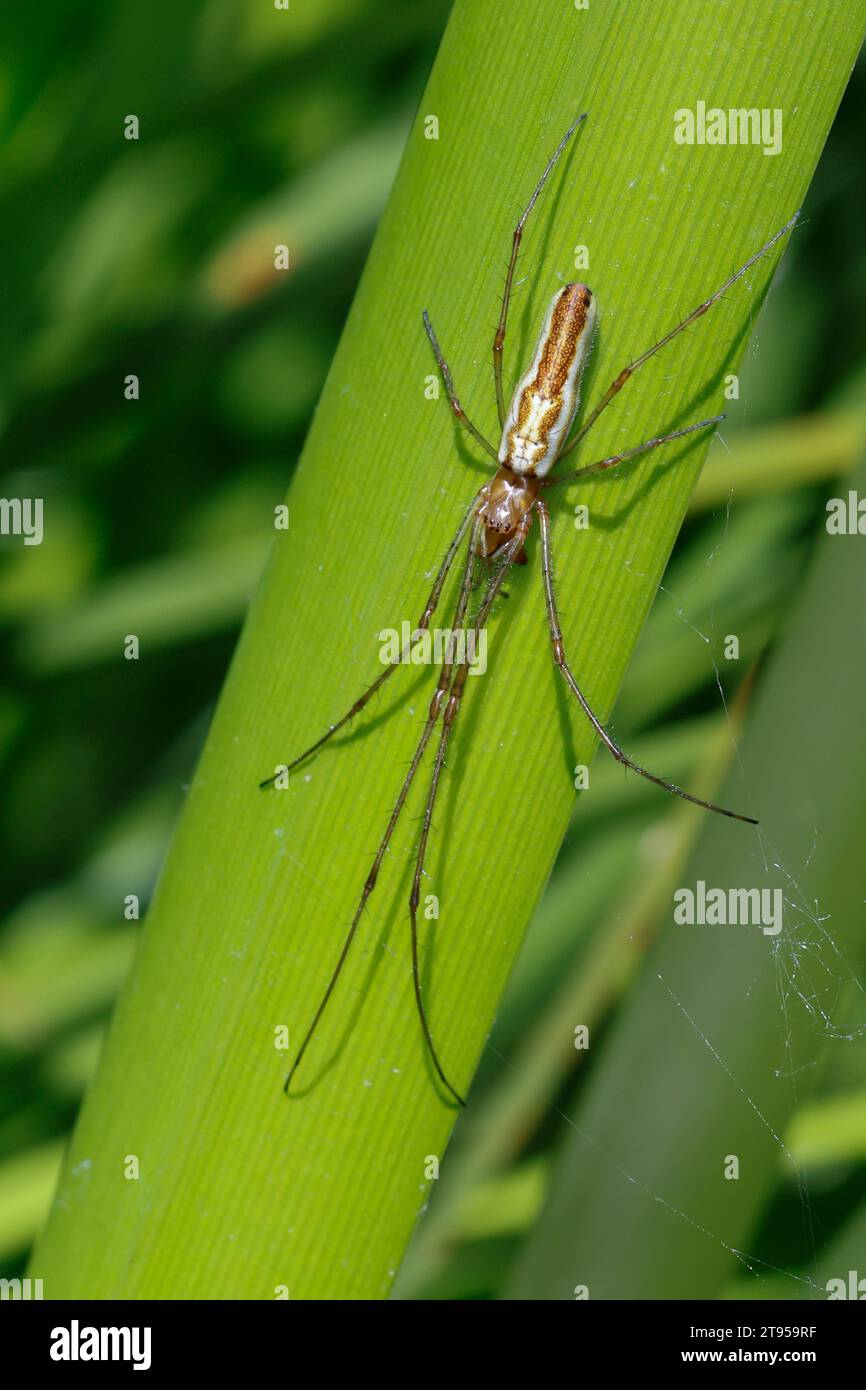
435	709
423	623
452	708
561	661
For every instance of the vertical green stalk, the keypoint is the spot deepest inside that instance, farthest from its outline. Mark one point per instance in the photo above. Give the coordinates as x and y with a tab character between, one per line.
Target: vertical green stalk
728	1030
244	1194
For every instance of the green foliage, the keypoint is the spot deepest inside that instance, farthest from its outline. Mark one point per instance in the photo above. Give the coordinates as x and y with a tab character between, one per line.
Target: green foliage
738	1021
162	509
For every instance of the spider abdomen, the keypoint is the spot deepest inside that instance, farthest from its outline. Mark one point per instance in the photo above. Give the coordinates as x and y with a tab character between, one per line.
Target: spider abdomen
547	396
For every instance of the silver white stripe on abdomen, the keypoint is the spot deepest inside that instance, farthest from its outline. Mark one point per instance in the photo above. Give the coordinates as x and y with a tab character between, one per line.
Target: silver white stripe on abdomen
545	401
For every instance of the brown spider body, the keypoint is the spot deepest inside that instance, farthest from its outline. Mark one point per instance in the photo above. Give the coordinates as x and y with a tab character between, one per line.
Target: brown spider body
535	436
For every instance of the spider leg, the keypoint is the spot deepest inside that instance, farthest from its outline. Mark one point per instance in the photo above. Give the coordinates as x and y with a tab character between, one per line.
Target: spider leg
451	710
499	339
459	413
423	623
436	705
630	453
620	381
560	659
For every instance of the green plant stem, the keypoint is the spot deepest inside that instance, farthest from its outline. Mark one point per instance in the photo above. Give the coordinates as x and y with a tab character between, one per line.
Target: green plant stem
242	1193
727	1031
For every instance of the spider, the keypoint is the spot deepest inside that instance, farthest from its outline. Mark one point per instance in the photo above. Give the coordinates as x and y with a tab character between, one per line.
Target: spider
535	437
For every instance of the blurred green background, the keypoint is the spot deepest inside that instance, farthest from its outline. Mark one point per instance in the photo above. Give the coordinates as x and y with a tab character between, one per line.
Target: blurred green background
145	258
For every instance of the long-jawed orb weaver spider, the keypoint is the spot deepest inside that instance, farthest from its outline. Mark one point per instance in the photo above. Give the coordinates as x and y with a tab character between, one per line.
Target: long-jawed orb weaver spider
535	437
